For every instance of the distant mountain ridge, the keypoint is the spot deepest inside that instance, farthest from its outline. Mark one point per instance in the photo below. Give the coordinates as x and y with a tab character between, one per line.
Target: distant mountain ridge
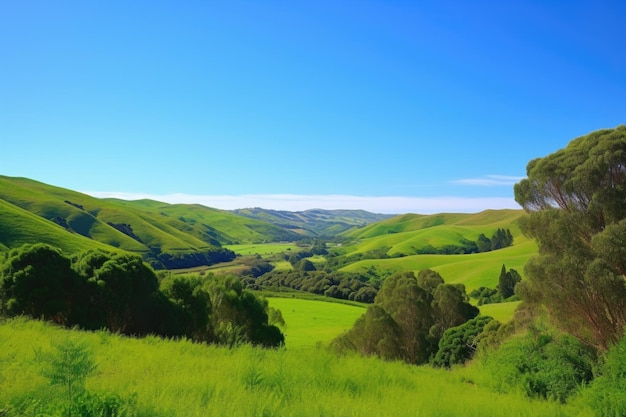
315	222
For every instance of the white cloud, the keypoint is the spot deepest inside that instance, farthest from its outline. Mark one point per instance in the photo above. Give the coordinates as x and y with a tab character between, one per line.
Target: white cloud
296	202
491	181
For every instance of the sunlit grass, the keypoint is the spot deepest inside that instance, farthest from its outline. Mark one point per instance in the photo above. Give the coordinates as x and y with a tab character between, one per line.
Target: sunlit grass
502	312
311	322
180	378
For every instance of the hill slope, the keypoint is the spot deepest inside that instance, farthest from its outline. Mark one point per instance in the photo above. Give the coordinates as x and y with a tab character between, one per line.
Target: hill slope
37	212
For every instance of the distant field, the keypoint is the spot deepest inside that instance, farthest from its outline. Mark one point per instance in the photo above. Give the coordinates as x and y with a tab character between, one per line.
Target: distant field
474	270
310	322
262	249
501	311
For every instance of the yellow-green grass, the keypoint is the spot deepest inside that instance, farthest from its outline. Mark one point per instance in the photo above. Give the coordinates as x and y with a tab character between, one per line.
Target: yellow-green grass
409	233
262	249
502	312
282	265
312	322
19	227
180	378
473	270
171	228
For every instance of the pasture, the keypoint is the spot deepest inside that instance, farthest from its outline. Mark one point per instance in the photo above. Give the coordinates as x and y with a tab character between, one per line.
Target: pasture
313	322
179	378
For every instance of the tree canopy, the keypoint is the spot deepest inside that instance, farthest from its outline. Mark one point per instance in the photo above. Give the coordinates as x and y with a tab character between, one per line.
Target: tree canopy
576	200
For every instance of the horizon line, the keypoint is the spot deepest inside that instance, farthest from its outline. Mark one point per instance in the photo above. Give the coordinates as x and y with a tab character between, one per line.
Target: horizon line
302	202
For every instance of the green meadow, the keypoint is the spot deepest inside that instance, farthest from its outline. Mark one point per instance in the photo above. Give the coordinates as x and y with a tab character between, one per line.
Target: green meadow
310	323
262	249
180	378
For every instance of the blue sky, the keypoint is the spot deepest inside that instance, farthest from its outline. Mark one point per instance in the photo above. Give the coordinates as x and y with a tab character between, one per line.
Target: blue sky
389	106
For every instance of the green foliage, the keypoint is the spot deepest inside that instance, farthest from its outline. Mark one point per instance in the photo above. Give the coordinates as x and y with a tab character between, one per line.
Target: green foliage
68	366
119	292
484	295
458	344
542	364
36	280
407	320
576	202
507	282
240	316
341	285
606	394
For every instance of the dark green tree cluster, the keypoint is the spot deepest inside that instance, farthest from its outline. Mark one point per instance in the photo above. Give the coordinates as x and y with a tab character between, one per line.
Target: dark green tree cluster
179	260
408	318
119	292
501	238
576	204
341	285
507	281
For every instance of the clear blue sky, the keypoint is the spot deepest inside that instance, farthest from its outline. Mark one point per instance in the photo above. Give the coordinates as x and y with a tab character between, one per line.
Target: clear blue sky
390	106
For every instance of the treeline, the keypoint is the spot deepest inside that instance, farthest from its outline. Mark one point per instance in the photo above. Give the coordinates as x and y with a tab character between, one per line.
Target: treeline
501	238
180	260
97	289
341	285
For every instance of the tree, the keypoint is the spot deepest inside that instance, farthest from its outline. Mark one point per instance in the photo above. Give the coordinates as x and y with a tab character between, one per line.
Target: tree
37	280
374	333
507	282
410	306
483	243
450	308
429	279
576	201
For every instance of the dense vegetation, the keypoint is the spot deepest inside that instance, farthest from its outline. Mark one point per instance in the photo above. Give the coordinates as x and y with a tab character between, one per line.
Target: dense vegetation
576	198
409	316
104	290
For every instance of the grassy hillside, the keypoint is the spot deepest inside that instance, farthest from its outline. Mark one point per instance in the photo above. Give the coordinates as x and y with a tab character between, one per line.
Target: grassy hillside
62	215
408	233
405	234
180	378
475	270
18	227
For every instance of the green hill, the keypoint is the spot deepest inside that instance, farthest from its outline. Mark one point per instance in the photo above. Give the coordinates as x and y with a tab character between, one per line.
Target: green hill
401	238
314	222
37	212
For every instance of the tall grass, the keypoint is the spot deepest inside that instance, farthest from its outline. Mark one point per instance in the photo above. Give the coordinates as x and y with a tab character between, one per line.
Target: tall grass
180	378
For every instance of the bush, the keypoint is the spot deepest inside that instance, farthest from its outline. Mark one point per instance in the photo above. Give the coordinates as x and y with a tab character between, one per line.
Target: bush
459	343
541	365
606	394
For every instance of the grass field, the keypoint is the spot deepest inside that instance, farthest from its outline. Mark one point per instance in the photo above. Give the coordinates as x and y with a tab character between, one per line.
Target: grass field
502	312
474	270
180	378
263	249
312	322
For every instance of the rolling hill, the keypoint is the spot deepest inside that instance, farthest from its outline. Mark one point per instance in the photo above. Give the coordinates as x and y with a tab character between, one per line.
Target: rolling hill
32	212
315	222
401	238
171	234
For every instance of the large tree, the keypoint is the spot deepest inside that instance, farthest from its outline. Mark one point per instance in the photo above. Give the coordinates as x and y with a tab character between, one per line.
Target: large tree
576	200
